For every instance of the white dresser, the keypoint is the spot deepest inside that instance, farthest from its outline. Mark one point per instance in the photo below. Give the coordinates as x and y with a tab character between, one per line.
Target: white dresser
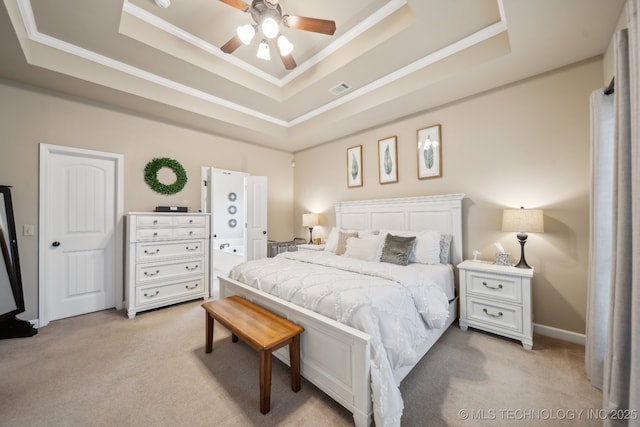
167	259
496	299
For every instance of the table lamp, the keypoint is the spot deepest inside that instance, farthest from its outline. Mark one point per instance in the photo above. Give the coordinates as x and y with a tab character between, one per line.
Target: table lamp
310	220
522	220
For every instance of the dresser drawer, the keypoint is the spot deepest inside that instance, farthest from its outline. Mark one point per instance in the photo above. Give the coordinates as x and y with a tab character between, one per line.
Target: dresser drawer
155	294
188	233
160	251
153	272
495	286
154	221
189	221
502	316
146	234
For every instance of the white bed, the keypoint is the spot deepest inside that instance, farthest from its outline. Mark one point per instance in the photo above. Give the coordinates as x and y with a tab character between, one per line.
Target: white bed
337	357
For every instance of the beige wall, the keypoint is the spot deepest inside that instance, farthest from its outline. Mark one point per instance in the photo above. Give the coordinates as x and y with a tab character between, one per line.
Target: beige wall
29	117
525	144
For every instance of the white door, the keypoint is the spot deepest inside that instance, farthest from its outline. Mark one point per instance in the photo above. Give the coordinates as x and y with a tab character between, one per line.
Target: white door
256	217
80	232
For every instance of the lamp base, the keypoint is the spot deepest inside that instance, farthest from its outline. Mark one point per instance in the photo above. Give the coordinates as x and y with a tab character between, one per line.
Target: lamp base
311	235
522	238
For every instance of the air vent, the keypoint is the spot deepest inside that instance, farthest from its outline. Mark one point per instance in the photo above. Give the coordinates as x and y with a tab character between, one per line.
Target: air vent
342	87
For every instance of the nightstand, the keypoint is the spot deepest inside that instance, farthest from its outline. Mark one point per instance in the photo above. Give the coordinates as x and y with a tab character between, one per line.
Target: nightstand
497	299
308	247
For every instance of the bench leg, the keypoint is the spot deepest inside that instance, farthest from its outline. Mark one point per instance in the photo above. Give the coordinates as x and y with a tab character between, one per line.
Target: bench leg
209	333
265	381
294	359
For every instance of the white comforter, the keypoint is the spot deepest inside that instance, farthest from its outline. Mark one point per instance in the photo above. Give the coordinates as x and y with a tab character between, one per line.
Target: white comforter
394	304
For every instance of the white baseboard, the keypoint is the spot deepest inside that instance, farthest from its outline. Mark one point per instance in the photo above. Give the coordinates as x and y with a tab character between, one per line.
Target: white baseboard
560	334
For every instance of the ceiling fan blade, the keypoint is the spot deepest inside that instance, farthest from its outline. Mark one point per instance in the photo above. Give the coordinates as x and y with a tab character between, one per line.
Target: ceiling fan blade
288	61
315	25
238	4
231	45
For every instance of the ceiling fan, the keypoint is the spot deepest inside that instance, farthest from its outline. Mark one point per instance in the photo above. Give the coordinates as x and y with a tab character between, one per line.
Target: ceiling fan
268	16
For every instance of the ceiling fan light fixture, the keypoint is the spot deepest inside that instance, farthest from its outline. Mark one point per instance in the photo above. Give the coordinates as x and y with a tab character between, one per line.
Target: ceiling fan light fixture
270	27
285	46
246	33
263	51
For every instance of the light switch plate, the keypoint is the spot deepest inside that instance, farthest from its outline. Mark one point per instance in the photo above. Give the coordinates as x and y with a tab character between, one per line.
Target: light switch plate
28	230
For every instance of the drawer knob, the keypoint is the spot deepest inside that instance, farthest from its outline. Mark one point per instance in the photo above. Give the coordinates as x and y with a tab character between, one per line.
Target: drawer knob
155	234
151	295
491	314
146	273
190	233
151	253
492	287
191	287
155	221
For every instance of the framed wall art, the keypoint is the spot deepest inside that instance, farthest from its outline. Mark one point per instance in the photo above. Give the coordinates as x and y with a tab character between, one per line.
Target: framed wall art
429	152
354	166
388	160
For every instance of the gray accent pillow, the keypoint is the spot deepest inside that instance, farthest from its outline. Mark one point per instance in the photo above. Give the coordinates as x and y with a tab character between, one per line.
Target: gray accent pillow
397	249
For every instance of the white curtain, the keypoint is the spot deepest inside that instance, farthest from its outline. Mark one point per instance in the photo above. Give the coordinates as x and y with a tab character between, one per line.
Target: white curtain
621	373
600	237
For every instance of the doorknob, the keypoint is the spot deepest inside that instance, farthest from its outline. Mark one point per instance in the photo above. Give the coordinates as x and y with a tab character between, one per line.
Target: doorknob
55	244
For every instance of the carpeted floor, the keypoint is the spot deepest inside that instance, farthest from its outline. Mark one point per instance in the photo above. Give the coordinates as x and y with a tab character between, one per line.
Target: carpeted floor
103	369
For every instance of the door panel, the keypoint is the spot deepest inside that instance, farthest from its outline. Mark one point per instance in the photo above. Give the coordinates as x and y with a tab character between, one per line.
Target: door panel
256	217
80	218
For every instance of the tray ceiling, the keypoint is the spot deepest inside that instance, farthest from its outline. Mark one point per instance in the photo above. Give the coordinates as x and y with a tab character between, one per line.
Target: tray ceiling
397	57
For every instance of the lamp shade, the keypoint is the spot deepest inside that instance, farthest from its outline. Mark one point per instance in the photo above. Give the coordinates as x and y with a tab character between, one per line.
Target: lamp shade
263	51
523	220
309	220
246	33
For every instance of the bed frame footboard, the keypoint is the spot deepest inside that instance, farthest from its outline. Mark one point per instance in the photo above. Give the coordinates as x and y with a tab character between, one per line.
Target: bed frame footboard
334	356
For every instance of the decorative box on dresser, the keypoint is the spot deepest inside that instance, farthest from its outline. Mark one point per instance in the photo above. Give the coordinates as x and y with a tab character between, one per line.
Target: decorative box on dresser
167	259
496	298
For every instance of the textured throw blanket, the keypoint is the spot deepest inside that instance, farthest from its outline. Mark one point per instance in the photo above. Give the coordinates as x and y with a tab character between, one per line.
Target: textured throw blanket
394	304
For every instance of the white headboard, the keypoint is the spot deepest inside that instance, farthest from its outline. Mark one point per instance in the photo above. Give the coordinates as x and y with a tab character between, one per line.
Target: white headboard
442	212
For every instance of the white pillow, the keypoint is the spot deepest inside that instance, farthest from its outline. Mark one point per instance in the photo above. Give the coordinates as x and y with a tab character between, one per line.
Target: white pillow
332	240
426	249
367	248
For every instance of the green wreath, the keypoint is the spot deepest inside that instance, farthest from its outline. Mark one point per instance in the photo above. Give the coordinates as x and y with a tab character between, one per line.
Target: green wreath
151	175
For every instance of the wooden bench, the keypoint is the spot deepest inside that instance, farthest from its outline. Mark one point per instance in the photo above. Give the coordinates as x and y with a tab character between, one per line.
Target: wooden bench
262	330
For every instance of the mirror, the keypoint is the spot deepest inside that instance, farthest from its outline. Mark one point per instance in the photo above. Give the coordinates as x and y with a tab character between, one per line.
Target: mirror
11	296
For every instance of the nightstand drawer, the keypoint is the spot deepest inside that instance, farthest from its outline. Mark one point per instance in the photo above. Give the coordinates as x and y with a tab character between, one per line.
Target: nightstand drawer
503	316
495	286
